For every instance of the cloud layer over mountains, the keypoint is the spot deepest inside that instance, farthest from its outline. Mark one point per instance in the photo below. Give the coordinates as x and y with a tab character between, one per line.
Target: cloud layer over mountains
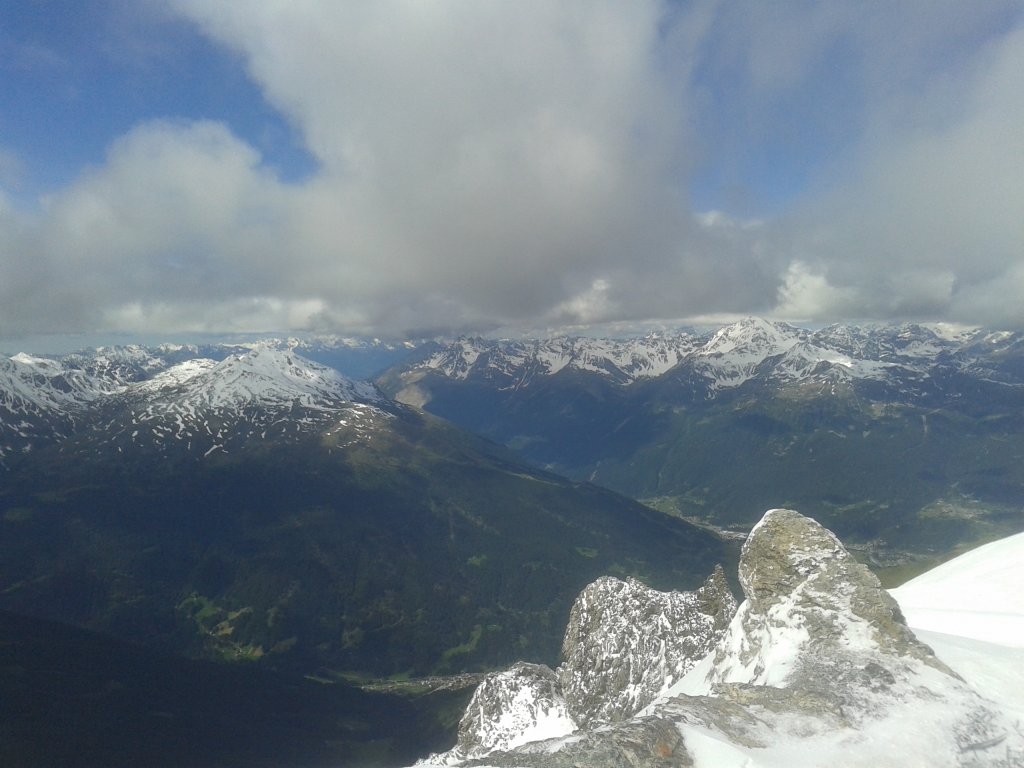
555	163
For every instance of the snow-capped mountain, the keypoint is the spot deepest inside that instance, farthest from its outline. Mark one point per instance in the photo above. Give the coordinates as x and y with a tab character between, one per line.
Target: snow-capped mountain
211	406
34	385
40	399
130	396
514	363
817	667
265	375
752	348
736	353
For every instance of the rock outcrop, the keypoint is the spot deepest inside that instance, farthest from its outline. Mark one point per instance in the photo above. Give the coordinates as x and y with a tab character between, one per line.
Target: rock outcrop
626	643
817	667
809	603
520	705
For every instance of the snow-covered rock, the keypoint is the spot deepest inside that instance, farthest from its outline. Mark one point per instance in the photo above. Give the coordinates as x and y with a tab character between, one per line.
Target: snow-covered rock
816	668
626	643
808	603
518	706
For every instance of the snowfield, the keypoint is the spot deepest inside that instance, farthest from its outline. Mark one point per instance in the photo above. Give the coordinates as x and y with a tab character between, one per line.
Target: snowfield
977	595
970	610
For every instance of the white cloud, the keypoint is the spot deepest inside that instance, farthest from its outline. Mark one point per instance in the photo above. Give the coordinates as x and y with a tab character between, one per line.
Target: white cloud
487	164
933	213
806	295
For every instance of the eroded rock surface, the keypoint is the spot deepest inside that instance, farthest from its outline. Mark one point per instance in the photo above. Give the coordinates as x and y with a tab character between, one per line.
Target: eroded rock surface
626	643
520	705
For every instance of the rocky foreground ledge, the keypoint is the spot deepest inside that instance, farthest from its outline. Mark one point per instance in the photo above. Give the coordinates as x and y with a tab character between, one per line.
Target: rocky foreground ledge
816	667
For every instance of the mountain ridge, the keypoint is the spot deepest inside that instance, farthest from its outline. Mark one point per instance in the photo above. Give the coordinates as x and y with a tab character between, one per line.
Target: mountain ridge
908	440
726	357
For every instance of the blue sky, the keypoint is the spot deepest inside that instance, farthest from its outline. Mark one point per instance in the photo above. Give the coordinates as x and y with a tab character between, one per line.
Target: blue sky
78	74
391	168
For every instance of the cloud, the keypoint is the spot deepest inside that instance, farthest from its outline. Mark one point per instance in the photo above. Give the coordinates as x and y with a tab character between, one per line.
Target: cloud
502	164
932	217
179	212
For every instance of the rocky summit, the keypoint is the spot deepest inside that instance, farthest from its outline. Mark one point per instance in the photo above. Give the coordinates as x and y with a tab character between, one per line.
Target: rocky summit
625	644
816	667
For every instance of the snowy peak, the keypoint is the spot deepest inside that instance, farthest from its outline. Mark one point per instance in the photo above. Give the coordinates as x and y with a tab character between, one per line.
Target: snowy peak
752	337
264	376
206	406
117	366
37	385
736	353
515	363
774	353
457	359
132	396
40	400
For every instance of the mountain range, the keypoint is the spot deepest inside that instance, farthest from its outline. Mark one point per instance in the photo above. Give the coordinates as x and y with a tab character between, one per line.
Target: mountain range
258	504
907	440
263	507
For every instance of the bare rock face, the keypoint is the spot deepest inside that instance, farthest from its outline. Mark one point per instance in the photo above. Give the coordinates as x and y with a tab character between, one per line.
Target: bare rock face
626	643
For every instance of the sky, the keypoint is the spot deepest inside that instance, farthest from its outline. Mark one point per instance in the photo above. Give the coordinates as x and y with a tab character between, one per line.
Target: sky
418	167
